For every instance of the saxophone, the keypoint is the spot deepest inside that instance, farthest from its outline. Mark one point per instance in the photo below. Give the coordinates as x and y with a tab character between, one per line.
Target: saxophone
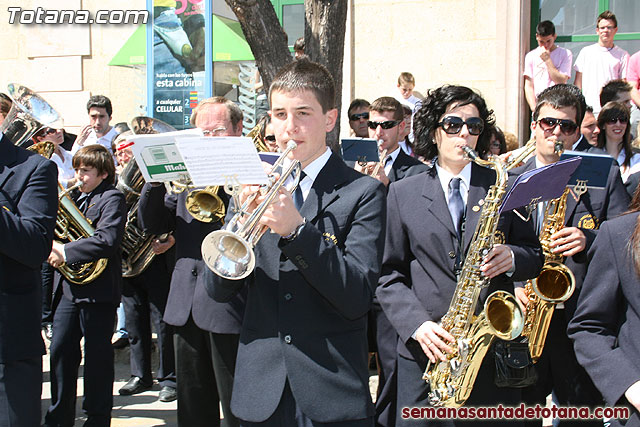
554	285
451	382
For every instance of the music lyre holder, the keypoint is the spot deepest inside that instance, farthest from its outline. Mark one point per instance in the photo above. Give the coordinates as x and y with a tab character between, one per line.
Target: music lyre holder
232	187
530	207
579	189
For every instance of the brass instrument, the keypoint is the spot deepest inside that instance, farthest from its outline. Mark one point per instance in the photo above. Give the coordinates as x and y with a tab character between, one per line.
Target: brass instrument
380	163
72	225
555	283
228	252
451	382
28	114
137	251
256	136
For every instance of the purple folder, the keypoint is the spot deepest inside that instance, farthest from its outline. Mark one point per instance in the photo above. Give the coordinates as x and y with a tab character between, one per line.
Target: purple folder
539	185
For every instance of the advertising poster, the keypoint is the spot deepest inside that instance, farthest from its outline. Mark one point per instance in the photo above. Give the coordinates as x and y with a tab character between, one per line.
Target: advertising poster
179	69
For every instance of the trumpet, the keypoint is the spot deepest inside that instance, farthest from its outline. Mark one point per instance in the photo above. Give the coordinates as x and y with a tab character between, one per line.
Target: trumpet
380	164
228	252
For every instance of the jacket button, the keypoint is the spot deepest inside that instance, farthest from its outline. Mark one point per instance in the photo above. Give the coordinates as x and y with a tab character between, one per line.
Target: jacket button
452	254
288	296
287	339
194	272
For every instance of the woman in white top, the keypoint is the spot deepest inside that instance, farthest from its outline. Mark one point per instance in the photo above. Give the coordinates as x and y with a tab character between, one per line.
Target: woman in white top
61	157
614	137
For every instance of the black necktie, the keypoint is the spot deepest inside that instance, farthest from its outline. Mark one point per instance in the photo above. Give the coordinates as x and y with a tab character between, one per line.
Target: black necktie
456	205
298	199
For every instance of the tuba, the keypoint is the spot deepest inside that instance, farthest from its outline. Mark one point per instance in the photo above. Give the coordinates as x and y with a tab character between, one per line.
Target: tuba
555	283
137	252
451	382
28	114
228	252
72	225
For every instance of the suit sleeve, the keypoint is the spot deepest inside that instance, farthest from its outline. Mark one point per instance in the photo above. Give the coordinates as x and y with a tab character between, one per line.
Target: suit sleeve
345	275
594	326
107	237
157	210
394	292
27	229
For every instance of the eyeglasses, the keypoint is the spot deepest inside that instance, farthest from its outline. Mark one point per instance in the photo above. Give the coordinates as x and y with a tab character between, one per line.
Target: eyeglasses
270	138
388	124
216	132
568	127
359	116
453	125
613	120
47	131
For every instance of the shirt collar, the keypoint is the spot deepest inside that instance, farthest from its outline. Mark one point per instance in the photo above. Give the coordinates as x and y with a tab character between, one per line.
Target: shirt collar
446	176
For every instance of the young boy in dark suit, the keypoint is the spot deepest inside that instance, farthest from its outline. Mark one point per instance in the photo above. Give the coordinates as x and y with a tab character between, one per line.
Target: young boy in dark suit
88	310
302	358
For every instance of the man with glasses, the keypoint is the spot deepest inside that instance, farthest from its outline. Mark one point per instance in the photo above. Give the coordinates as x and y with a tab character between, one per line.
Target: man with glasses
557	118
358	113
601	62
206	331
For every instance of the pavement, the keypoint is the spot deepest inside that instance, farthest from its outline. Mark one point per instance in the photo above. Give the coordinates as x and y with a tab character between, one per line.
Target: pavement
143	409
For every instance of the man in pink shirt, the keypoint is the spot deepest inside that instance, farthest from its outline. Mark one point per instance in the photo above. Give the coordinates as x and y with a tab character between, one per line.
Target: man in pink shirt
546	65
633	77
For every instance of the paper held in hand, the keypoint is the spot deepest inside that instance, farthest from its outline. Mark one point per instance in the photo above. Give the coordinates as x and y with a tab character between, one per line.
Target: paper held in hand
188	156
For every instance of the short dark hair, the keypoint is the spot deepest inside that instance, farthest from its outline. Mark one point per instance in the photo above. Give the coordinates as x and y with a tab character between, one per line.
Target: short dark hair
545	29
387	103
357	103
612	110
100	101
97	156
426	119
561	96
235	113
609	16
610	91
303	75
299	44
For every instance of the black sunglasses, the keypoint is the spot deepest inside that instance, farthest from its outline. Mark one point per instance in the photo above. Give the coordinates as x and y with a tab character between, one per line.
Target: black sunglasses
388	124
359	116
567	127
270	138
623	120
453	125
47	131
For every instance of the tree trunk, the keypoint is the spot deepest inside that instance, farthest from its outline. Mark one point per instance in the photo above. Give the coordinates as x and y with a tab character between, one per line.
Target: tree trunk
264	34
324	33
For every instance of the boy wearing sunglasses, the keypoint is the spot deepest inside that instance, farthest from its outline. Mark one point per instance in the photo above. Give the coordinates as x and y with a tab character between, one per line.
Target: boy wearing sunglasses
556	120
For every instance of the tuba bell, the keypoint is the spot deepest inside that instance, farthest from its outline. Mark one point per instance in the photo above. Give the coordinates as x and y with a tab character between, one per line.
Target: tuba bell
137	251
228	252
28	114
72	225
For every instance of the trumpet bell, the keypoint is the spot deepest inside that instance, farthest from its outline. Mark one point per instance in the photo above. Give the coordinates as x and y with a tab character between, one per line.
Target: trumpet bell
228	255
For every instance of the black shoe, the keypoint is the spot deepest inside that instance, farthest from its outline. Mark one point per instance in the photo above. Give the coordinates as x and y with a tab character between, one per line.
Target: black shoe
48	331
120	343
134	386
167	394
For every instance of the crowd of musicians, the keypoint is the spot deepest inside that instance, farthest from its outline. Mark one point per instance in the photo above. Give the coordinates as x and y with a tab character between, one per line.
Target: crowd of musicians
393	257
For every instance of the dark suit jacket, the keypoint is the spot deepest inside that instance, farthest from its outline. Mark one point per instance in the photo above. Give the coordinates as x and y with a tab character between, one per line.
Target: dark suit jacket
160	213
594	207
404	165
107	212
583	145
28	205
307	304
606	326
418	279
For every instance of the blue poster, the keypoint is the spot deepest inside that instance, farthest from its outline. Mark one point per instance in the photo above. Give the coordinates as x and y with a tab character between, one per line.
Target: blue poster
179	59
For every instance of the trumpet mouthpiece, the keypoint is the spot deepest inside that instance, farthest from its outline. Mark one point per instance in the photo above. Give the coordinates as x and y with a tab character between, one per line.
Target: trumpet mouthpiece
291	145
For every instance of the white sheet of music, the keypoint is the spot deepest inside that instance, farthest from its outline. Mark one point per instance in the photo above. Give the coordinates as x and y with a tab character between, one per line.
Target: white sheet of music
212	161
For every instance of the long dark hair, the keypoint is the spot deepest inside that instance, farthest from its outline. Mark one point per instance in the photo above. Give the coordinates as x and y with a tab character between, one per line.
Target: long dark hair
634	241
425	121
613	110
